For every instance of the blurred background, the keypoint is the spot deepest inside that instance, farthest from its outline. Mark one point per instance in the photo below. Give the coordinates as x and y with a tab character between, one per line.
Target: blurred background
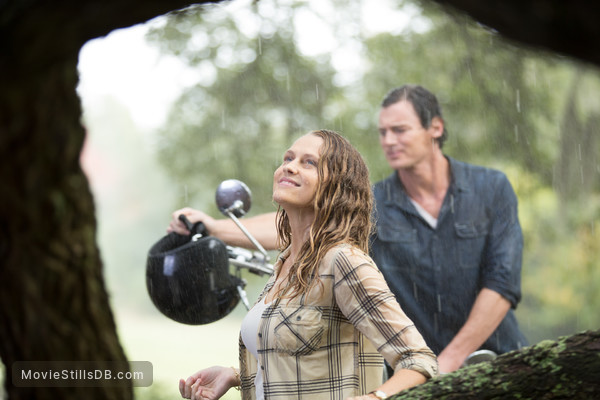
174	106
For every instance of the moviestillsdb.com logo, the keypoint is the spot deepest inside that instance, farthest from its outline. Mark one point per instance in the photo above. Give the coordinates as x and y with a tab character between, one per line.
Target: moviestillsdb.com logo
81	373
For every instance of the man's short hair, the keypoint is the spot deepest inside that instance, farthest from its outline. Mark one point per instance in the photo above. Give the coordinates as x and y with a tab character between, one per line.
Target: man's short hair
423	101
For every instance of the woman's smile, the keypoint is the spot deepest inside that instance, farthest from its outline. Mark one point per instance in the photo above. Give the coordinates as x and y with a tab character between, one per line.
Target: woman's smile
288	182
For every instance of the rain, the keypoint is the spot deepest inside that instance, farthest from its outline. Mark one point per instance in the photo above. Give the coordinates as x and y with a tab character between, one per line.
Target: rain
524	112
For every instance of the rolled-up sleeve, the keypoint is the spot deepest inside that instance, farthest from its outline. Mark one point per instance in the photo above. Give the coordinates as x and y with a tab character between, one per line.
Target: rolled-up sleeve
504	248
364	298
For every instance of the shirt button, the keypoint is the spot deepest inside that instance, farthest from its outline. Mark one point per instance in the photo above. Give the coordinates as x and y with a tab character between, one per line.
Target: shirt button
298	318
260	335
261	367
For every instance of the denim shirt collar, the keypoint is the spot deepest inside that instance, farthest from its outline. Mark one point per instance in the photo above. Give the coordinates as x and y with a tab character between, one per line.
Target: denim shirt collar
396	195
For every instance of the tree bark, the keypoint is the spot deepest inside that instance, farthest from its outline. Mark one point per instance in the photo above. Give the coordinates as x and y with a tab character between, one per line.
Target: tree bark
53	301
577	162
564	27
568	368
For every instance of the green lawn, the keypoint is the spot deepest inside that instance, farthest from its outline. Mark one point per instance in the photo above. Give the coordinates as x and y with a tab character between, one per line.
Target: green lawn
177	350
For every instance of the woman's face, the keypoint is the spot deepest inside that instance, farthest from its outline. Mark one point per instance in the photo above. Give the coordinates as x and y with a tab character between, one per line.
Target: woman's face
295	181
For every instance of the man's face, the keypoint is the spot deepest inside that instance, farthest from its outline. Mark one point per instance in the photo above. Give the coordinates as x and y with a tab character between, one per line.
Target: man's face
404	141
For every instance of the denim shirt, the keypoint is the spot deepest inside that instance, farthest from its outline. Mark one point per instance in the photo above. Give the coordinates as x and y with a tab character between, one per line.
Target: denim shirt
436	274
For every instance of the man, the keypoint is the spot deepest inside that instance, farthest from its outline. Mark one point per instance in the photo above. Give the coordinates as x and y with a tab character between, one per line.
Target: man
447	238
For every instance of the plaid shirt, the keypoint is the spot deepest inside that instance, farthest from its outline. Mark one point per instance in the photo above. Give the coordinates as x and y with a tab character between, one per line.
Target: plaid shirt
328	344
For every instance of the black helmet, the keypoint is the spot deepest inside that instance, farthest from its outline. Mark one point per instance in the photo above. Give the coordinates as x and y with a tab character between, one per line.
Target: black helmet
188	279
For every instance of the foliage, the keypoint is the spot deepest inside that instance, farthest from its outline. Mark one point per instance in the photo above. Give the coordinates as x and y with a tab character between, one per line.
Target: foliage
241	122
533	115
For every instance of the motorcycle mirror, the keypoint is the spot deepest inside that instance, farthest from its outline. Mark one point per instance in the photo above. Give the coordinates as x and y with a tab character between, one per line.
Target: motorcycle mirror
234	197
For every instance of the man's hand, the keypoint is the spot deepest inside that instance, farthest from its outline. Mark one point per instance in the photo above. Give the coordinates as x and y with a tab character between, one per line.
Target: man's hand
487	313
193	216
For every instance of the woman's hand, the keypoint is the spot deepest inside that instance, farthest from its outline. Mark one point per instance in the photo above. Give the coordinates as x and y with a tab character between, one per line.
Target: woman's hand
210	383
193	216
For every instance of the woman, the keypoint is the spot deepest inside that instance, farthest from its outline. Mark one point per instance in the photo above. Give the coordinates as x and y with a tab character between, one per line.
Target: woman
316	327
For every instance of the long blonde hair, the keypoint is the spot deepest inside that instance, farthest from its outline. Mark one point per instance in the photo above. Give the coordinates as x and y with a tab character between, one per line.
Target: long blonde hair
343	203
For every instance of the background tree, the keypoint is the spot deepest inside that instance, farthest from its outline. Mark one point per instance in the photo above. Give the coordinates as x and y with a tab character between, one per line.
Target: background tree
236	120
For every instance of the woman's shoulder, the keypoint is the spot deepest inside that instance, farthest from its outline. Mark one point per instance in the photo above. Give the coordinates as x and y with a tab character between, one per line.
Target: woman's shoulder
346	253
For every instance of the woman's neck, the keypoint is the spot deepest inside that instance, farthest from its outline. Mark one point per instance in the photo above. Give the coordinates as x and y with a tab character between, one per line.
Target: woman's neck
300	223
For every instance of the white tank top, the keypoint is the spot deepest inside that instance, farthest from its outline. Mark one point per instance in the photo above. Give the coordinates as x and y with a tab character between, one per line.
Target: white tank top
249	331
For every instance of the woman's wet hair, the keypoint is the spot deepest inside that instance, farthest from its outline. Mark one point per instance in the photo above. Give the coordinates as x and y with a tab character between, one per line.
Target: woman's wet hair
343	203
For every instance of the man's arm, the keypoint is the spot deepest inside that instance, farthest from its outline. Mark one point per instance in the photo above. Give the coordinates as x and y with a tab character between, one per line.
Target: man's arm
262	227
487	313
500	276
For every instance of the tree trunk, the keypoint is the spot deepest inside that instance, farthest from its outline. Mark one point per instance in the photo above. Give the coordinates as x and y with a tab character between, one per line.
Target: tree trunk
53	301
52	295
577	162
565	369
566	27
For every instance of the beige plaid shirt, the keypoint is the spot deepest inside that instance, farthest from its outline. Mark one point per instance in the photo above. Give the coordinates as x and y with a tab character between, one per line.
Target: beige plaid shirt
329	343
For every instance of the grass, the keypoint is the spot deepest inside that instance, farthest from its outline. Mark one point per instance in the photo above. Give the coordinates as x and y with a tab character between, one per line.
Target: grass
176	350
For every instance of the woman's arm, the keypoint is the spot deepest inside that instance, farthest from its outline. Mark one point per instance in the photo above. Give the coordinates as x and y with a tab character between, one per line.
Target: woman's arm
364	297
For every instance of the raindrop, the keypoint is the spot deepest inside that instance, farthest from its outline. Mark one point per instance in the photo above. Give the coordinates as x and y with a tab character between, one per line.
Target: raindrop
317	90
452	203
518	100
259	45
439	301
415	293
516	133
579	151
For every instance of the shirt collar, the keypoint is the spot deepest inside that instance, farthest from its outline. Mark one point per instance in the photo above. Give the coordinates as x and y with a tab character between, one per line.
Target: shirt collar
459	175
395	193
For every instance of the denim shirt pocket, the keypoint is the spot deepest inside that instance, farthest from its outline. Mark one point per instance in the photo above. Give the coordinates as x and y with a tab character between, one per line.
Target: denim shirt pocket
400	246
472	236
387	233
298	330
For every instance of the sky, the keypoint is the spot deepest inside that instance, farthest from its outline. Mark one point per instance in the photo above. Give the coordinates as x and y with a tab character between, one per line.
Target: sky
123	65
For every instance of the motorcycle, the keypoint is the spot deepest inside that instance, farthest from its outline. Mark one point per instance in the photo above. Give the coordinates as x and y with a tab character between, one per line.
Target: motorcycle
188	276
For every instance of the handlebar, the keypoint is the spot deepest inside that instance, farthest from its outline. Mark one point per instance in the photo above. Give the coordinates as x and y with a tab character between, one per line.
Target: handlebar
253	261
